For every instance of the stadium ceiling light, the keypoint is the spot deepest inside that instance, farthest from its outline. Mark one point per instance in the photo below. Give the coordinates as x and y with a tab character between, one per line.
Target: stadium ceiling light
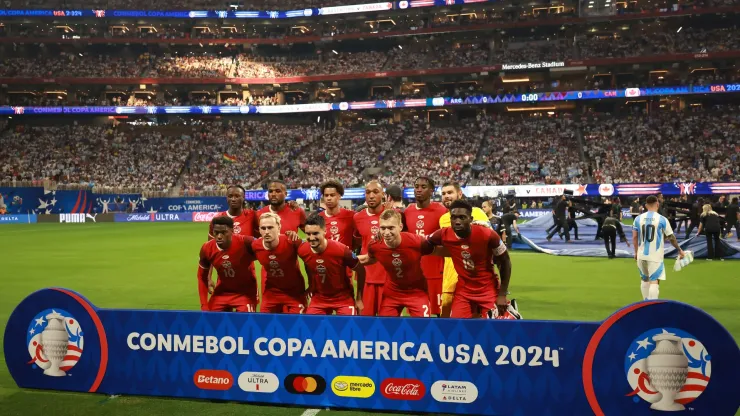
513	109
335	52
400	47
505	81
679	29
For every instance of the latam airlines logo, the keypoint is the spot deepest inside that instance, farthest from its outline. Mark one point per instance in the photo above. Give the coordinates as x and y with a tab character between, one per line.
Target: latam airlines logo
55	341
667	368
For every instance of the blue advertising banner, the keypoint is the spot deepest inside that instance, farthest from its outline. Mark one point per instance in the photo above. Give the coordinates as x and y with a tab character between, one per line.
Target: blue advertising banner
154	217
380	104
21	200
653	355
18	219
187	204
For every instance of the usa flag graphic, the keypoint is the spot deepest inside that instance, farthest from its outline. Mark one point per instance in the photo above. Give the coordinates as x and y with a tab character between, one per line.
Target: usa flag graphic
635	365
35	347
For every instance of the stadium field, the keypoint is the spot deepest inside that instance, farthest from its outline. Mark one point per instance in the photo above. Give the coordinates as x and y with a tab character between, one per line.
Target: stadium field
154	266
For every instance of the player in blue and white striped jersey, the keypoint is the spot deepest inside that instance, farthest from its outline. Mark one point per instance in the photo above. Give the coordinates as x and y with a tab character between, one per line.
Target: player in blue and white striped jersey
648	232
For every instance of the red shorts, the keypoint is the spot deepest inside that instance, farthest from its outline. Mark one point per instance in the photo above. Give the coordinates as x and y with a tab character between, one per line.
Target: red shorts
226	302
372	295
322	306
275	301
475	305
434	286
416	301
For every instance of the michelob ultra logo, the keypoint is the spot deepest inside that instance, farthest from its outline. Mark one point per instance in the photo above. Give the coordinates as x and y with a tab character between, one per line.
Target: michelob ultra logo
353	386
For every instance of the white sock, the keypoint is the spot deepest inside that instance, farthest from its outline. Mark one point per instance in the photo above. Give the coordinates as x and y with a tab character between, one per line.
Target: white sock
645	289
653	293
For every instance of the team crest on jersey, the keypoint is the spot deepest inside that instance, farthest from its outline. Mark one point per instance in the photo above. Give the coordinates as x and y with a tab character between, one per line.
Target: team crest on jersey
667	368
272	257
321	268
226	264
320	261
55	341
225	257
421	217
373	222
465	255
396	255
274	264
464	247
420	224
397	262
334	230
333	223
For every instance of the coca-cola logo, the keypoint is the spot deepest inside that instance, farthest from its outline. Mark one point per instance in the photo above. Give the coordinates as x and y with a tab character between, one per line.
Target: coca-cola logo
138	217
403	389
204	216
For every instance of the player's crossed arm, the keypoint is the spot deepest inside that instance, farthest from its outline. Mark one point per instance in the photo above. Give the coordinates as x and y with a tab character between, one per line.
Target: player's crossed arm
205	285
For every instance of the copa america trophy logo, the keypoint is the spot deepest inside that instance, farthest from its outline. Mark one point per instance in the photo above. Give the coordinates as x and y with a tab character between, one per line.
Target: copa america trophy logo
55	342
668	368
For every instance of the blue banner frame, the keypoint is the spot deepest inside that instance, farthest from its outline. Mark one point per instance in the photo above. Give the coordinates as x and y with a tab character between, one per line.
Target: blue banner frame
486	367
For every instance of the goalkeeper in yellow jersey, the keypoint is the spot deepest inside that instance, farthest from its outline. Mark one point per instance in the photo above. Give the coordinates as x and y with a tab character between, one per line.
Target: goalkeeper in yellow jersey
451	192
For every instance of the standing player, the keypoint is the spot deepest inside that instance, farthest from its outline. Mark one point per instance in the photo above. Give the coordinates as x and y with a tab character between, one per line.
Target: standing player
326	262
400	255
244	218
284	289
232	256
648	232
366	228
474	251
292	218
423	219
340	221
452	192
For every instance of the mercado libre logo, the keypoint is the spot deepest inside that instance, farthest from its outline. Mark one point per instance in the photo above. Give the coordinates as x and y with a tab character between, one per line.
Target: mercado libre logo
304	384
667	368
55	342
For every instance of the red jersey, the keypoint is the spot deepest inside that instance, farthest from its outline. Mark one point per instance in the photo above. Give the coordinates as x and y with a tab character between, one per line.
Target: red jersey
290	220
341	226
281	264
367	226
326	271
232	265
472	256
424	222
403	263
244	223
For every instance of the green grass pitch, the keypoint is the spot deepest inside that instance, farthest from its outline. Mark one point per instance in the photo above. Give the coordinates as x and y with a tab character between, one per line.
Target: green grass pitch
154	266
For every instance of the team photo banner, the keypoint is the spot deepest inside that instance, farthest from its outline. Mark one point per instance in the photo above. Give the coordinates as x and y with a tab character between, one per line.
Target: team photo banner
382	104
653	355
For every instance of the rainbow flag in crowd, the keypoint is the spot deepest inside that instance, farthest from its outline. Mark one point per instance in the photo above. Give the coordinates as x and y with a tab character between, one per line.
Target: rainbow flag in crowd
229	158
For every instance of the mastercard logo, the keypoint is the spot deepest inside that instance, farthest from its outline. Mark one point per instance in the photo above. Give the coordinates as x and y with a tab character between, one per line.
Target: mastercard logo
305	384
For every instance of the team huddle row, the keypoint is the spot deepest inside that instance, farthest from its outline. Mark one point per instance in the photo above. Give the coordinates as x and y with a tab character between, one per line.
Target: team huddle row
429	258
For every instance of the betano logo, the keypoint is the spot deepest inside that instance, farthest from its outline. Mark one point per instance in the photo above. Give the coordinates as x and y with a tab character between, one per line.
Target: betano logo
258	382
353	386
304	384
213	379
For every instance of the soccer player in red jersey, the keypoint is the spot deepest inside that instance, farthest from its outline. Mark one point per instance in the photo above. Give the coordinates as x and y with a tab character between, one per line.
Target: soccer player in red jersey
400	255
232	256
423	219
326	262
292	217
284	290
244	218
474	251
340	225
366	227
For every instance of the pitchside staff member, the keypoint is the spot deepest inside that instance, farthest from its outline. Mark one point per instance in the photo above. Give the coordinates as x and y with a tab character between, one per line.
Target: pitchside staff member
695	216
561	210
612	227
732	216
711	223
508	222
572	224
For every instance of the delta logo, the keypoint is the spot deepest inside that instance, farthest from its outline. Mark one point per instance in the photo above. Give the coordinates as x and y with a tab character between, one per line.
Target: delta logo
402	389
304	384
213	379
447	391
353	386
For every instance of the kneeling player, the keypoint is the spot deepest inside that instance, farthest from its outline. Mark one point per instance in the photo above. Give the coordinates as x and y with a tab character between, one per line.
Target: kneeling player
474	251
285	289
232	256
326	263
400	255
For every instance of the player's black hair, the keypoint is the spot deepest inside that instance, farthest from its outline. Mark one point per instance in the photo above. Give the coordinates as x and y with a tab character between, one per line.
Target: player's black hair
429	180
316	219
278	181
223	220
652	199
244	191
453	184
332	184
734	200
463	205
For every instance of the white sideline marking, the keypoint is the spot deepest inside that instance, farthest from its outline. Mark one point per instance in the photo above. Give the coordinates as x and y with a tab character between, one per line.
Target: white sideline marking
310	412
